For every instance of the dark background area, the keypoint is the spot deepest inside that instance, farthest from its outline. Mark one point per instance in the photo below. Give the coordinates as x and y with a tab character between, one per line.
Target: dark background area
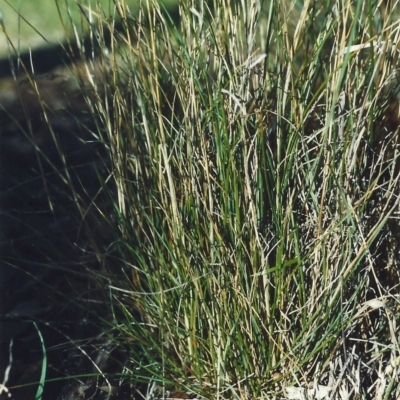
50	237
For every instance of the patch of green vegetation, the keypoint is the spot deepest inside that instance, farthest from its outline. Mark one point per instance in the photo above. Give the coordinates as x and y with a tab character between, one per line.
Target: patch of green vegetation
32	24
251	154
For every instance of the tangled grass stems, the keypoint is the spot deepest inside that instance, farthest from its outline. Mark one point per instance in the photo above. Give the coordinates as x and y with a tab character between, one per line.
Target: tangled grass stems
255	187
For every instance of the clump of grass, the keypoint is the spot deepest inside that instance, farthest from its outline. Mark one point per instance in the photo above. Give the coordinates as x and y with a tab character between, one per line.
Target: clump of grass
254	152
256	173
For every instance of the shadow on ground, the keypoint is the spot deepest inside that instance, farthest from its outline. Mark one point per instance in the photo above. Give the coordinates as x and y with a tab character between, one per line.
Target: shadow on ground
53	229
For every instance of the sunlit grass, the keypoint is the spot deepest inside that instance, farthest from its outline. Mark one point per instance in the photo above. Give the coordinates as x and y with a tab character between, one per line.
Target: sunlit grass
247	184
250	157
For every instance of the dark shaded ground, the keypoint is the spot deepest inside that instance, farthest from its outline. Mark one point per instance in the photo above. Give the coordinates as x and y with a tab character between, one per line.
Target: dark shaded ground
51	235
55	221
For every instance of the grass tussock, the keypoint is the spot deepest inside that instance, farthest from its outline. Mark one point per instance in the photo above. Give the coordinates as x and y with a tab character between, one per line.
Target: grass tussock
255	159
255	156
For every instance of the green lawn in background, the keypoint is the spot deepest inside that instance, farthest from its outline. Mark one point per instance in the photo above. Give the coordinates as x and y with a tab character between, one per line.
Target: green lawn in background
43	16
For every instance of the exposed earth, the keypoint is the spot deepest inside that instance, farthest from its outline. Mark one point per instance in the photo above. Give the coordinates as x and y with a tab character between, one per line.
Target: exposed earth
52	166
